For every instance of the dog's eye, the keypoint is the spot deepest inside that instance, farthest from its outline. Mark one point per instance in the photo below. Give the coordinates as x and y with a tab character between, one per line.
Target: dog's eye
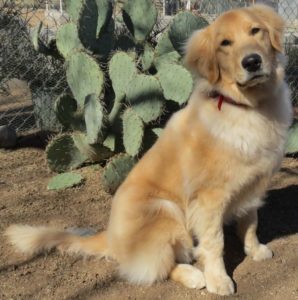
226	43
254	30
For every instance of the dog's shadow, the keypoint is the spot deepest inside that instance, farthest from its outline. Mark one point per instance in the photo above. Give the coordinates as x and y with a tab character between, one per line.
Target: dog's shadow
277	218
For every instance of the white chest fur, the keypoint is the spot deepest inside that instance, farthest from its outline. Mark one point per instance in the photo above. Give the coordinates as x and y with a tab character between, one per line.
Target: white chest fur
253	133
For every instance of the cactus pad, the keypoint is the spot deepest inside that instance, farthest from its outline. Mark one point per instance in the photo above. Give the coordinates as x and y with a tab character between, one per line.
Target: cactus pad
183	25
63	155
65	180
84	76
93	153
90	21
104	10
67	39
133	132
74	8
116	171
34	34
164	45
147	57
157	131
110	142
292	143
139	16
165	51
176	82
145	95
122	70
95	119
105	43
66	112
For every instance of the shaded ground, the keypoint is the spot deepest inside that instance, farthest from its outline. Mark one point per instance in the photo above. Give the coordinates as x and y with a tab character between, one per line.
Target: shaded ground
24	199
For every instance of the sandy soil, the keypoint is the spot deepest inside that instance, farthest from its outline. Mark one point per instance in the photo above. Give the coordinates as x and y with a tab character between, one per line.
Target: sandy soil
25	199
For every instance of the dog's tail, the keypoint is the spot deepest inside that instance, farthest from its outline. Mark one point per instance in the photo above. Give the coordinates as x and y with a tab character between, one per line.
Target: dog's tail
33	240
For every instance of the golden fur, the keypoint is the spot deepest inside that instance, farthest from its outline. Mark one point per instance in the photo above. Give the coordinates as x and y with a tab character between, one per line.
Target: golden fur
207	167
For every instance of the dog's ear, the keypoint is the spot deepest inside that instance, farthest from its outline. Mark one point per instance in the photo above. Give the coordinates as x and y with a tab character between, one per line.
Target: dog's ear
273	22
200	55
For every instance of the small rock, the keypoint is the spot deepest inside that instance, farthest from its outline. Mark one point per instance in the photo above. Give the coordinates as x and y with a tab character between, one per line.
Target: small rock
8	137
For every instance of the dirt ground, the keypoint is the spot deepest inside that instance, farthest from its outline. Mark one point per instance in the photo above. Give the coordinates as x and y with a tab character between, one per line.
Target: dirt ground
24	199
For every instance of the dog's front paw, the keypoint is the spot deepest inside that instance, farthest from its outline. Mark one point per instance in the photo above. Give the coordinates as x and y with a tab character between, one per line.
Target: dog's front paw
261	253
220	284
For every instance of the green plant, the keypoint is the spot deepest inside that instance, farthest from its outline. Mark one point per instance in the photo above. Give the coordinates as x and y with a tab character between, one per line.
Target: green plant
124	83
65	180
292	143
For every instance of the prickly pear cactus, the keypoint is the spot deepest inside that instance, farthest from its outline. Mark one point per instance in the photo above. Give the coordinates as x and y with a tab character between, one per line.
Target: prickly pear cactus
147	57
74	9
94	153
145	96
84	76
139	16
122	70
182	27
165	51
133	132
104	10
178	89
68	113
67	152
292	143
35	32
65	180
95	119
124	82
116	170
67	39
63	154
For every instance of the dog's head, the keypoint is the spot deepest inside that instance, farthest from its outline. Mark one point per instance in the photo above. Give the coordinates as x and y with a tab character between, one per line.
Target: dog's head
240	47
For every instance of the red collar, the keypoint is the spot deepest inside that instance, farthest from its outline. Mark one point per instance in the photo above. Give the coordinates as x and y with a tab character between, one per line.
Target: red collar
222	98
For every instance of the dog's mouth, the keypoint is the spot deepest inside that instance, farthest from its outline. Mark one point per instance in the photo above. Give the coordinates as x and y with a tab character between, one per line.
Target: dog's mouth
253	81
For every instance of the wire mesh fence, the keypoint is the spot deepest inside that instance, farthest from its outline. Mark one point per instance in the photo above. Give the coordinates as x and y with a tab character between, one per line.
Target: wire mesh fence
30	82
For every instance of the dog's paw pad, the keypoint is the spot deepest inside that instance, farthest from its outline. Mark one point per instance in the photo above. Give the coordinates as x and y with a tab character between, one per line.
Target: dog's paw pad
262	253
220	285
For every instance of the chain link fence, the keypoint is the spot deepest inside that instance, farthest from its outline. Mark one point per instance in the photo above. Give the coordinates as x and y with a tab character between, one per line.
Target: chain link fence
30	82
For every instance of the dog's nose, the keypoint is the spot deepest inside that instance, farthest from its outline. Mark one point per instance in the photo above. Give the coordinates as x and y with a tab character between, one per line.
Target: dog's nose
252	62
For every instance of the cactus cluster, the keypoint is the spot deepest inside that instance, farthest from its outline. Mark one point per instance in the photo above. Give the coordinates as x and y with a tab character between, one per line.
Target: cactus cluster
124	82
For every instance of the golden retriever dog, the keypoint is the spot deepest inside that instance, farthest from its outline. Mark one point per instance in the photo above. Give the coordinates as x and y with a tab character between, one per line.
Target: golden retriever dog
212	163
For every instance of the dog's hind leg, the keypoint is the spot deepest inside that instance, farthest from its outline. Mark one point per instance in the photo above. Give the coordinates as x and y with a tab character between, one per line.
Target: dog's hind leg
157	262
189	276
151	253
146	254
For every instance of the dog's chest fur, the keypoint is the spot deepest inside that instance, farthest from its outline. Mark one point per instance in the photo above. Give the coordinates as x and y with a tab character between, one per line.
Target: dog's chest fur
247	149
